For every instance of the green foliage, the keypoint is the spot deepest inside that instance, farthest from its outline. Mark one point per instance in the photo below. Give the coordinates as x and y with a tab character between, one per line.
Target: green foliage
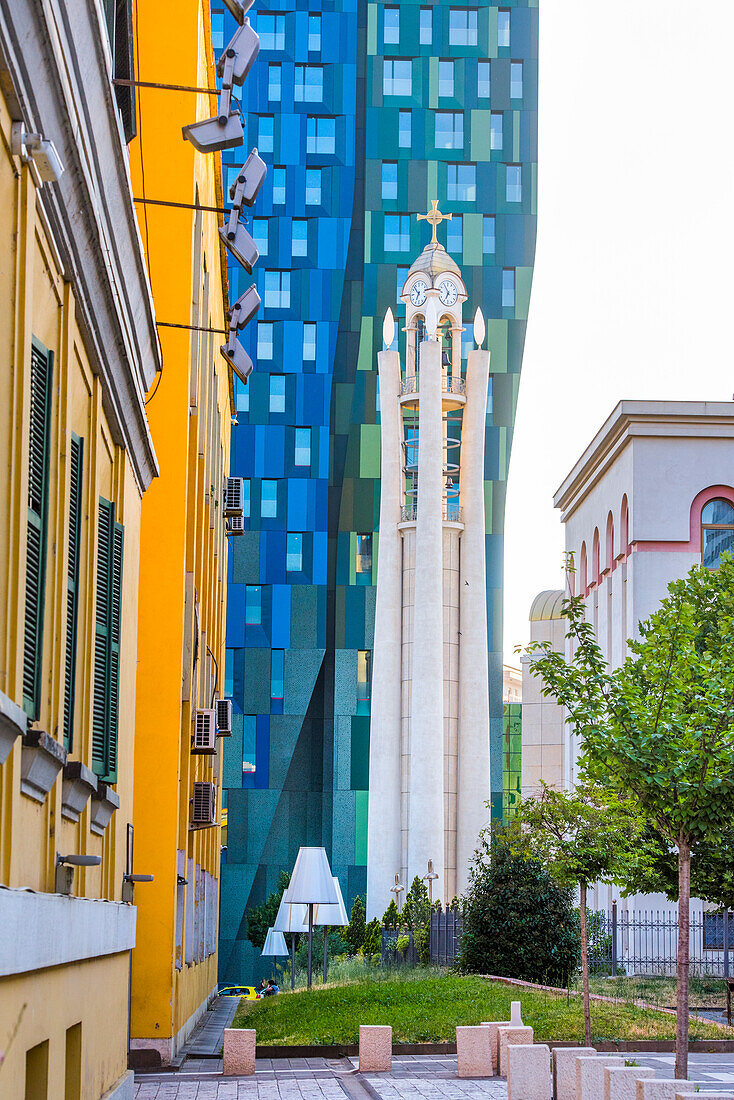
338	947
518	922
422	940
391	916
262	917
354	934
402	944
373	938
416	908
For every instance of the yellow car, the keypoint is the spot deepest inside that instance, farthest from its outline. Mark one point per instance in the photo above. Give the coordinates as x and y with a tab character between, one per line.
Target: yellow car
247	991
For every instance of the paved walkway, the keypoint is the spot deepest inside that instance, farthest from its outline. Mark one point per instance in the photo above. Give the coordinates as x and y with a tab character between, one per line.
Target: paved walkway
431	1076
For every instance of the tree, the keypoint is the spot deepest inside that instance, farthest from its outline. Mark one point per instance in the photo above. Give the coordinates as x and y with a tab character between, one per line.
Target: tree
417	915
391	916
373	938
518	921
583	837
661	727
262	917
354	934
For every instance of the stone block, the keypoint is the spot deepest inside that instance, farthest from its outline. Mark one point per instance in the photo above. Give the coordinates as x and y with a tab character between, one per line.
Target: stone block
511	1037
700	1095
375	1048
473	1052
620	1082
660	1088
564	1070
528	1072
516	1013
239	1052
590	1075
494	1040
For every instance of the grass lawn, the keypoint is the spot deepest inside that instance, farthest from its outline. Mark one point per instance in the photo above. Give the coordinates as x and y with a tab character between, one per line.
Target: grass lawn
705	992
425	1006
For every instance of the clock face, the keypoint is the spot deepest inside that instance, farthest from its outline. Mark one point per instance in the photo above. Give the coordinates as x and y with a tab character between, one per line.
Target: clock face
418	293
448	293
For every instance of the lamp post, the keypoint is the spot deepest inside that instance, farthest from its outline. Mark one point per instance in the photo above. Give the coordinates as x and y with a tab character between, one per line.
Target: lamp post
397	890
331	916
291	919
275	945
430	878
311	884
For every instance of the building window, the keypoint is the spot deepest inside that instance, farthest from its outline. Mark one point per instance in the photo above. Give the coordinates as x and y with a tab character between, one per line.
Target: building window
269	499
293	553
302	452
364	553
218	30
277	289
489	234
313	187
253	604
274	83
484	79
247	494
516	80
455	235
391	27
277	393
404	130
397	77
72	585
277	669
503	28
513	183
299	237
508	288
402	275
446	78
461	183
105	698
462	26
363	675
264	340
717	531
397	233
309	341
314	33
278	186
389	179
496	137
241	396
271	31
265	133
309	84
449	130
426	25
36	525
320	135
260	234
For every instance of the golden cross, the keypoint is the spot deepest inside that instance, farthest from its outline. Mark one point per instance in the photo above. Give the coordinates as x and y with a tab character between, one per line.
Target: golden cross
434	217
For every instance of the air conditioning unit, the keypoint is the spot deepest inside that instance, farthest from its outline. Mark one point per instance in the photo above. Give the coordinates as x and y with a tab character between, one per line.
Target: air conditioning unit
224	717
234	496
236	526
205	732
204	804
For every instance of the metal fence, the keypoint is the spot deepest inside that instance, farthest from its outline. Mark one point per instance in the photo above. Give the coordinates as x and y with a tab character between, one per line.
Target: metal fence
646	942
447	926
391	953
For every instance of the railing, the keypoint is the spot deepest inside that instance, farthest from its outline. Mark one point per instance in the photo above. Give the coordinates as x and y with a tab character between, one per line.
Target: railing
449	384
646	942
391	956
452	513
409	513
409	385
447	927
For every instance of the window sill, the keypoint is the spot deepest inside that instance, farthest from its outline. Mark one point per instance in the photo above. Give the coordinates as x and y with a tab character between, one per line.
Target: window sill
79	783
13	724
104	803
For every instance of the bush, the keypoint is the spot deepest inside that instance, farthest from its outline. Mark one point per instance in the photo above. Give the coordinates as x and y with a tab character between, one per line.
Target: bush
262	917
373	938
518	923
354	934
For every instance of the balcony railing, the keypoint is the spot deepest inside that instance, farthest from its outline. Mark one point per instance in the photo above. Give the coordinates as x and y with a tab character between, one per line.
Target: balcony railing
409	385
453	384
449	384
452	513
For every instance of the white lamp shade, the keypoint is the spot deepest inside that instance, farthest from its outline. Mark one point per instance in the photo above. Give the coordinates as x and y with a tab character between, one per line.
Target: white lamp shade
311	882
335	916
291	918
274	943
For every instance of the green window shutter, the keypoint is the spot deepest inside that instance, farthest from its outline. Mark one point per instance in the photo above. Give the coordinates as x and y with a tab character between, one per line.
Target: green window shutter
38	459
72	585
107	643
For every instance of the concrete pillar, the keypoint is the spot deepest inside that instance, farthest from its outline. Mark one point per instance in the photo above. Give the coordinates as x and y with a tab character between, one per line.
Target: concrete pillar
383	823
238	1052
473	777
426	804
375	1048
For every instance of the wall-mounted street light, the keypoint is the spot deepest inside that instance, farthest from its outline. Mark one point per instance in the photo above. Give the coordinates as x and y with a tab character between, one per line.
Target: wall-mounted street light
65	870
211	135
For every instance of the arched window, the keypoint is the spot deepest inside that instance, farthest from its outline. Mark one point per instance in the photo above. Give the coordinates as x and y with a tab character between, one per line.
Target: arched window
624	527
419	336
717	531
583	570
595	568
447	344
610	543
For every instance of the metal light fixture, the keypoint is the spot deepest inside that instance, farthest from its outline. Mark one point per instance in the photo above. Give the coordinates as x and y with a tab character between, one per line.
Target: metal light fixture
65	870
397	889
42	152
312	883
430	878
274	944
242	311
331	916
292	919
128	885
211	135
238	8
243	192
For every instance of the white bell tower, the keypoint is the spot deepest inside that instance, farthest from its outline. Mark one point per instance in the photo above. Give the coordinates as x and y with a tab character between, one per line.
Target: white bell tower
429	731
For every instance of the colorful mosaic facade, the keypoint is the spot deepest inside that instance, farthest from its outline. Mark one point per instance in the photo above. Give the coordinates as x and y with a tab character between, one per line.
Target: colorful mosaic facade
511	758
364	112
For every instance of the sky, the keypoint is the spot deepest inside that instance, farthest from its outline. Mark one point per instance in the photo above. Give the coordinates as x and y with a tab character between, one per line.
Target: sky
632	294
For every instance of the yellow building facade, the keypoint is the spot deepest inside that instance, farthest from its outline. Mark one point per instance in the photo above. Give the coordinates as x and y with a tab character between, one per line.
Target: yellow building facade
183	569
78	350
